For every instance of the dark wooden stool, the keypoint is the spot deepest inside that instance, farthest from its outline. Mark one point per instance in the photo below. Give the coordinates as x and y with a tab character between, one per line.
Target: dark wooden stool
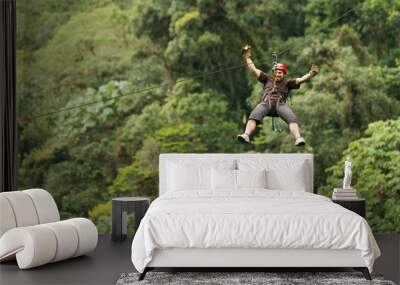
120	207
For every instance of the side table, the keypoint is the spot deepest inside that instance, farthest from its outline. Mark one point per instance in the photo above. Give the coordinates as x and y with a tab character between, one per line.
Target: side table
120	207
355	205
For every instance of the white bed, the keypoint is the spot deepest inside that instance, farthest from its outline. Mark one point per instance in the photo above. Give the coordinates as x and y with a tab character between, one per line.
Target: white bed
220	220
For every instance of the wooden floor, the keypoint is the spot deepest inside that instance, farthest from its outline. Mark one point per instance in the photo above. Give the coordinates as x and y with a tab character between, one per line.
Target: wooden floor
111	259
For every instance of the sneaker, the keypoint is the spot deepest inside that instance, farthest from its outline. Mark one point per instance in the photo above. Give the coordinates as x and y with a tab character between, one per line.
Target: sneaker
300	141
244	138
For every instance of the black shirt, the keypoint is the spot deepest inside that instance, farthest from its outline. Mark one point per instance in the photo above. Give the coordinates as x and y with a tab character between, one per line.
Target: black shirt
282	88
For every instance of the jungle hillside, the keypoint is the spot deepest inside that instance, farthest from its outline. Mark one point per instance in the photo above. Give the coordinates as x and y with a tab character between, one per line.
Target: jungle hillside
105	86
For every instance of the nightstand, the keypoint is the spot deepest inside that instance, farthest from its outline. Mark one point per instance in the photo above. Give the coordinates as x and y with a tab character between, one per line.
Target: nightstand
355	205
120	207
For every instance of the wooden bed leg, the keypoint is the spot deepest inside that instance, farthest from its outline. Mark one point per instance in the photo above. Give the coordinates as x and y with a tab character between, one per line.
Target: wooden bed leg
143	274
364	271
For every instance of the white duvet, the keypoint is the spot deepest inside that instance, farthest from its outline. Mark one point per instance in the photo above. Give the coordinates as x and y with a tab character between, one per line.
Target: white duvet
250	219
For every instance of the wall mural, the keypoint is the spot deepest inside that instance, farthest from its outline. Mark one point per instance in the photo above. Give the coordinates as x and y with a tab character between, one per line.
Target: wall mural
105	86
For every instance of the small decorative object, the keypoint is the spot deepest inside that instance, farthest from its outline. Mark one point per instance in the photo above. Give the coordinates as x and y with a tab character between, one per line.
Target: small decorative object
347	175
347	192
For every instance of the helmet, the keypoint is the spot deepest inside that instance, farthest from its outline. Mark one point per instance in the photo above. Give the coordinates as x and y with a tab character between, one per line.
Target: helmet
280	66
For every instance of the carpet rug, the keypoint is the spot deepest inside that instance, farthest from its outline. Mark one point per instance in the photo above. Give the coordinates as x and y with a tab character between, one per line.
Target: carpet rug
244	278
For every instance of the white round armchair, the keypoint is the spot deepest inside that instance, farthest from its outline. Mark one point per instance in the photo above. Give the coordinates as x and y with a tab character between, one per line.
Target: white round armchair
31	230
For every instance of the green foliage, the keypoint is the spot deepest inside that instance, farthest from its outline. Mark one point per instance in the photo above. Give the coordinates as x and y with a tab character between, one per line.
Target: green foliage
36	164
101	110
101	216
187	37
84	176
376	174
130	136
39	20
374	21
138	79
208	114
86	51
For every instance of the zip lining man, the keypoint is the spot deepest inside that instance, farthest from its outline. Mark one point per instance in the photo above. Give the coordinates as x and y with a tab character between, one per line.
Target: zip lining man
275	93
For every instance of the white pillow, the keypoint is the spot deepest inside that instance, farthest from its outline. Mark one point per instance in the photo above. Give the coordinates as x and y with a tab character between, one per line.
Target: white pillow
293	180
226	179
193	175
187	177
251	178
291	175
223	179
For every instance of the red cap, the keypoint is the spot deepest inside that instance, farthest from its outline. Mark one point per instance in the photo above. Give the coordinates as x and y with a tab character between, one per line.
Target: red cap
280	66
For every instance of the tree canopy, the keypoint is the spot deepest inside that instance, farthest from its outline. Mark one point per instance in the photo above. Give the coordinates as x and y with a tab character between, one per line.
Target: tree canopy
120	81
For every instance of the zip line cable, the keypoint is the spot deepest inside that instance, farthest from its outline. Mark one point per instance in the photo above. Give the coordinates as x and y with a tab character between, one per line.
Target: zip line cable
205	74
321	28
133	93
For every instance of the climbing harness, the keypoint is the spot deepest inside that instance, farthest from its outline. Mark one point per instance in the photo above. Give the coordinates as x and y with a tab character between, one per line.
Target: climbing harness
276	126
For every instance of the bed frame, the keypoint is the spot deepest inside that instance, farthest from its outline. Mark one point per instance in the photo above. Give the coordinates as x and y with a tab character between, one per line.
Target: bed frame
242	259
246	258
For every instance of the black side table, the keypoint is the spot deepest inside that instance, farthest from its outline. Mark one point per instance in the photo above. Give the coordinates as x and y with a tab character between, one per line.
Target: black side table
355	205
120	207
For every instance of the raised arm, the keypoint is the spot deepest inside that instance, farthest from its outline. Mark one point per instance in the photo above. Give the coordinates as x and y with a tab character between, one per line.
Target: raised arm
312	73
246	51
